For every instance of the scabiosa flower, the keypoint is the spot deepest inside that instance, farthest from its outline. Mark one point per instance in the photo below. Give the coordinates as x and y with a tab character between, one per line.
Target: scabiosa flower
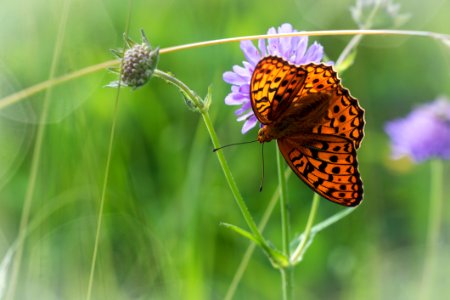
293	49
139	63
424	133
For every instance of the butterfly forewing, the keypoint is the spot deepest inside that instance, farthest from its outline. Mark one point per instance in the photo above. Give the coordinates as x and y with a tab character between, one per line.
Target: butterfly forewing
316	121
274	85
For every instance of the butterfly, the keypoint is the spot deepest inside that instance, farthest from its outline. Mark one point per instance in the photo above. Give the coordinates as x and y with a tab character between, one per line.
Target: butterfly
318	125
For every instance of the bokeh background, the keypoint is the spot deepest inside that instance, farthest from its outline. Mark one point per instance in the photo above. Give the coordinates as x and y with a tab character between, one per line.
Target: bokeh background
166	194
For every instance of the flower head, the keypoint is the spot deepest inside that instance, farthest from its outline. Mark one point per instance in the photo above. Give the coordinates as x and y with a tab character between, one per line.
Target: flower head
293	49
424	133
139	63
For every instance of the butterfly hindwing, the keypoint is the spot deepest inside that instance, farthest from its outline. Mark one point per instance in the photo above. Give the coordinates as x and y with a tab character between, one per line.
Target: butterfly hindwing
327	164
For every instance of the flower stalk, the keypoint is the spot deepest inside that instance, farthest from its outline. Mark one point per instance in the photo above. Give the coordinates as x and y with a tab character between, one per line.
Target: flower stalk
433	228
286	273
200	105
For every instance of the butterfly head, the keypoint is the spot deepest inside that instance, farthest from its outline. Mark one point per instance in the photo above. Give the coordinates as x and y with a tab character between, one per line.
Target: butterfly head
266	134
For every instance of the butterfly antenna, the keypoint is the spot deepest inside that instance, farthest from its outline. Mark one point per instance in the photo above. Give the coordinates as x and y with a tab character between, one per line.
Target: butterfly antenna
234	144
262	174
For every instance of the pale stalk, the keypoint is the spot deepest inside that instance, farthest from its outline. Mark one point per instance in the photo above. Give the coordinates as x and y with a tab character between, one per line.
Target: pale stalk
32	90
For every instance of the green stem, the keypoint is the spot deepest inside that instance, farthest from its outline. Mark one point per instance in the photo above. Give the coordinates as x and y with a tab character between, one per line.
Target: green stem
306	234
106	176
286	282
357	38
286	273
251	248
190	94
285	230
198	103
232	183
434	223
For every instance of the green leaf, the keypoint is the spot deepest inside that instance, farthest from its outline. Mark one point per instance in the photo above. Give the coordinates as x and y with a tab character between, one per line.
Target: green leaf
241	232
277	258
117	53
208	99
347	62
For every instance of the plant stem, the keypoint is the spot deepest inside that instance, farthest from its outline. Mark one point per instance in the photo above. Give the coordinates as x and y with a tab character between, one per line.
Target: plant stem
286	283
197	102
232	183
357	38
286	273
285	230
306	234
434	223
251	248
106	175
20	95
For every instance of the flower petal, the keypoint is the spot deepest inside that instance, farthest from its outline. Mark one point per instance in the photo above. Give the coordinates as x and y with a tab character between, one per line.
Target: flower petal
235	99
293	49
249	124
262	47
233	78
273	44
243	72
313	54
250	52
285	42
423	134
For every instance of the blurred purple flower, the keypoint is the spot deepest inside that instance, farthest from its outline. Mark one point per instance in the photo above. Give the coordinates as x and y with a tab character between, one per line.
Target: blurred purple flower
293	49
424	133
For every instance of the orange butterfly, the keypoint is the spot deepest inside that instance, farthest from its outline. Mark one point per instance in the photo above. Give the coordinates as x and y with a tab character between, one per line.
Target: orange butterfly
317	124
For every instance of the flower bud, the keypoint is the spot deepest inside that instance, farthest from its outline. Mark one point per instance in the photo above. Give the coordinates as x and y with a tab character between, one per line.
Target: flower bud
139	62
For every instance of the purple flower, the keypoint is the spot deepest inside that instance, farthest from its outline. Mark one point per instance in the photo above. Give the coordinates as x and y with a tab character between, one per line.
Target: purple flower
293	49
424	133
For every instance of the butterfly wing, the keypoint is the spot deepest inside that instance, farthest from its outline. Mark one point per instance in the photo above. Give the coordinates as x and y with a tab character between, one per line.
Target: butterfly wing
277	86
327	164
317	123
344	116
273	86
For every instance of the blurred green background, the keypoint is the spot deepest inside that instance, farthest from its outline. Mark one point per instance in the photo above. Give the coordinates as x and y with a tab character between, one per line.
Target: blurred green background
166	194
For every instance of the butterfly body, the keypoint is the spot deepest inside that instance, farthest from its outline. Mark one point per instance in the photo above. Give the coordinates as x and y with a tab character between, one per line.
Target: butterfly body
317	124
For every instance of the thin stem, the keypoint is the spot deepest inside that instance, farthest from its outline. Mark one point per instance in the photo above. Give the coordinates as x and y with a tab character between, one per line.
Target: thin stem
105	177
435	35
36	158
17	97
182	86
284	209
103	197
286	283
286	273
232	183
306	234
223	163
433	229
357	38
251	248
198	103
